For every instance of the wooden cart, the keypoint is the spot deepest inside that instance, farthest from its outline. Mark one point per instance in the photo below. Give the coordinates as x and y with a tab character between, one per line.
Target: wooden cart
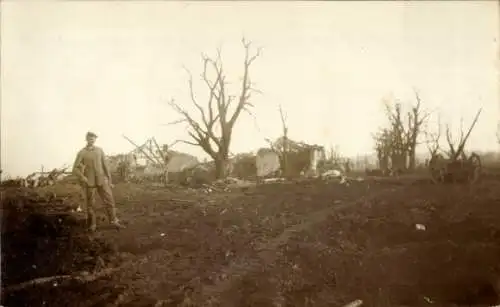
461	169
457	167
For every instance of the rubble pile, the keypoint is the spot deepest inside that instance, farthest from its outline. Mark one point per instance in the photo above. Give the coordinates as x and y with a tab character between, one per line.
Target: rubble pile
38	179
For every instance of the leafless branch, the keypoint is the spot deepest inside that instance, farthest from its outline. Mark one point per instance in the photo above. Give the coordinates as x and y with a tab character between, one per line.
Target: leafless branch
423	116
283	122
455	152
246	89
193	99
176	122
433	138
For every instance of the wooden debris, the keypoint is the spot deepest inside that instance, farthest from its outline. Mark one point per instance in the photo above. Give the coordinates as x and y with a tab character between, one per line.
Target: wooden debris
355	303
82	277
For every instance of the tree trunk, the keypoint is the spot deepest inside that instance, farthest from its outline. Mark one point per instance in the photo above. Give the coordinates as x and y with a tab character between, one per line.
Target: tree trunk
384	162
412	151
398	161
221	167
284	167
412	158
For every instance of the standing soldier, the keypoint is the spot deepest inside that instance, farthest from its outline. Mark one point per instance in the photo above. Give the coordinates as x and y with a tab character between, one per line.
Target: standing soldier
93	172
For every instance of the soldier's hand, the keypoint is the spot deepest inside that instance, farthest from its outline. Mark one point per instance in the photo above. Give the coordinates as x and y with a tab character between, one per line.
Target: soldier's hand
111	185
85	182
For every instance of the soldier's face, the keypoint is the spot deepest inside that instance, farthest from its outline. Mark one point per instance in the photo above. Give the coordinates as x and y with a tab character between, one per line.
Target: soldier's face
91	140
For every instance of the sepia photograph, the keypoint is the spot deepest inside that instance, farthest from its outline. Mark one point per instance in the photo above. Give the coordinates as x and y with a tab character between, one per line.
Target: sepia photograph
250	153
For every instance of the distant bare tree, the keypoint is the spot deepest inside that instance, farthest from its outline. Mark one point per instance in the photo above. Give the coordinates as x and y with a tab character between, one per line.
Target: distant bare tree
334	156
282	148
335	160
416	119
216	115
401	138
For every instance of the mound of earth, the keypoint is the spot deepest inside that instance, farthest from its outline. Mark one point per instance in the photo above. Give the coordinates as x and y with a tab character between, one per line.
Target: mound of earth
47	257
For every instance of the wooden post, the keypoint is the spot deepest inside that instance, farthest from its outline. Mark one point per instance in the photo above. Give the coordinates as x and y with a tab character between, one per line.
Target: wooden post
140	149
1	169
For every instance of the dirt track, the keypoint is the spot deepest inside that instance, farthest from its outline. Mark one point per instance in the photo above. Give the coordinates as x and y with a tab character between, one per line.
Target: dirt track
297	244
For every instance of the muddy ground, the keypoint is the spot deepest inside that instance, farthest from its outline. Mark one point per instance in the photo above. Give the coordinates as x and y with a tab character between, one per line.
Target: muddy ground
308	243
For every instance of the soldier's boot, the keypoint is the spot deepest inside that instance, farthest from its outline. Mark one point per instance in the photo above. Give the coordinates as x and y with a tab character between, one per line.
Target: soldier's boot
113	219
91	220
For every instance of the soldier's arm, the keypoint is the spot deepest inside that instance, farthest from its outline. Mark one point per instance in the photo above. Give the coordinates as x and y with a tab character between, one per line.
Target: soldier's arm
105	166
77	171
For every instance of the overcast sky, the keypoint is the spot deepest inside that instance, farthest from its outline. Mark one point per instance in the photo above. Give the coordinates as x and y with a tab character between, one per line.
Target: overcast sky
110	67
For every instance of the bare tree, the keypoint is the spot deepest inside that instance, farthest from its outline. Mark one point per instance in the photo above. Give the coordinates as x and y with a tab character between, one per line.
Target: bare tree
416	118
399	136
282	147
433	139
334	157
213	132
404	132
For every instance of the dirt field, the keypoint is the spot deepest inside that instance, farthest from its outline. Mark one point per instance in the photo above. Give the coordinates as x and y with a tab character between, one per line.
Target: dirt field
306	243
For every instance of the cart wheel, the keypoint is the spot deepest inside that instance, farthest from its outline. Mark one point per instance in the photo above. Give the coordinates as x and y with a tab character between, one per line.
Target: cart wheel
476	167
